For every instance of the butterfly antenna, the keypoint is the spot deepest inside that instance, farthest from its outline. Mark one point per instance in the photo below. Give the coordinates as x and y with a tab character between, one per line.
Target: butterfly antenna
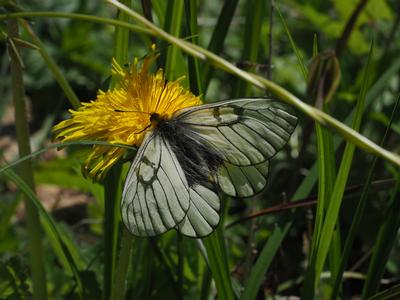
142	130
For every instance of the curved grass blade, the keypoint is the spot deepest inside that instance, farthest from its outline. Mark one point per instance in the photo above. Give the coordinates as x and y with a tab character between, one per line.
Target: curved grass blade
112	182
51	227
53	67
36	254
61	145
388	294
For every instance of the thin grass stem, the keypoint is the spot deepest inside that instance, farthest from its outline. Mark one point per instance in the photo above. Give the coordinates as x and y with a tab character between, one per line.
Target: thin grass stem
26	169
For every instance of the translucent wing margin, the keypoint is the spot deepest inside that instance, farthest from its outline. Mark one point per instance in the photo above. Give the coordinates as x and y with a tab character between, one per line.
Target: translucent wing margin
156	193
244	132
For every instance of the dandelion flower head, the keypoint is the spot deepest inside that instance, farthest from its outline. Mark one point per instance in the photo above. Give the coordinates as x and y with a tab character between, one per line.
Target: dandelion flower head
122	115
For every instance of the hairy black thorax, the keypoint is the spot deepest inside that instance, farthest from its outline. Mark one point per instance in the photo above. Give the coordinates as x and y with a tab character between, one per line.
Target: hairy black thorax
197	159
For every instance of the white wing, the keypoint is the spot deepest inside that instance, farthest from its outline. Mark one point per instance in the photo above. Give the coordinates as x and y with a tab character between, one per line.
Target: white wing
156	193
202	217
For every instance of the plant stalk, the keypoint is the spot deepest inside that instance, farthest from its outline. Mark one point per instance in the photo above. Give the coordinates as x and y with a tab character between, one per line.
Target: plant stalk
25	168
121	271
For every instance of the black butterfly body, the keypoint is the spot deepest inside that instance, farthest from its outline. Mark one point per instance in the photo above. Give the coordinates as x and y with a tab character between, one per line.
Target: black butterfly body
184	161
195	158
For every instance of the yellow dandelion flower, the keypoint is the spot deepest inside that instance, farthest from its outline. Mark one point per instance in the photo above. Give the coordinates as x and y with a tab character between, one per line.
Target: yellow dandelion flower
122	115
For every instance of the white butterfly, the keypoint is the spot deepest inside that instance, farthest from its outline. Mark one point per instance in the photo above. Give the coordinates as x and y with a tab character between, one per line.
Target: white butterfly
184	162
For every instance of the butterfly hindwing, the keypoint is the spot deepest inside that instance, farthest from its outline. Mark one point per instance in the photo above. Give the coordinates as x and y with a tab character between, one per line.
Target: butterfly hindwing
242	182
203	214
156	193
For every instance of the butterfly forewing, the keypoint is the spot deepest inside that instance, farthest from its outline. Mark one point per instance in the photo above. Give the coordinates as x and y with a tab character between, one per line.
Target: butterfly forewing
156	193
244	132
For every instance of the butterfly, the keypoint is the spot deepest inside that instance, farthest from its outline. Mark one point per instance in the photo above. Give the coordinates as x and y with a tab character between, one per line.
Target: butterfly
185	162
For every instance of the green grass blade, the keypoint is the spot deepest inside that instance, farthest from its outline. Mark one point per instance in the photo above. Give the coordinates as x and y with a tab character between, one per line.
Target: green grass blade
50	224
62	145
386	237
315	45
173	25
251	42
219	34
296	50
331	217
388	294
358	214
262	264
53	67
326	174
195	74
225	17
35	246
218	264
112	183
204	282
7	215
159	7
167	264
274	242
121	270
75	16
112	196
121	42
326	168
